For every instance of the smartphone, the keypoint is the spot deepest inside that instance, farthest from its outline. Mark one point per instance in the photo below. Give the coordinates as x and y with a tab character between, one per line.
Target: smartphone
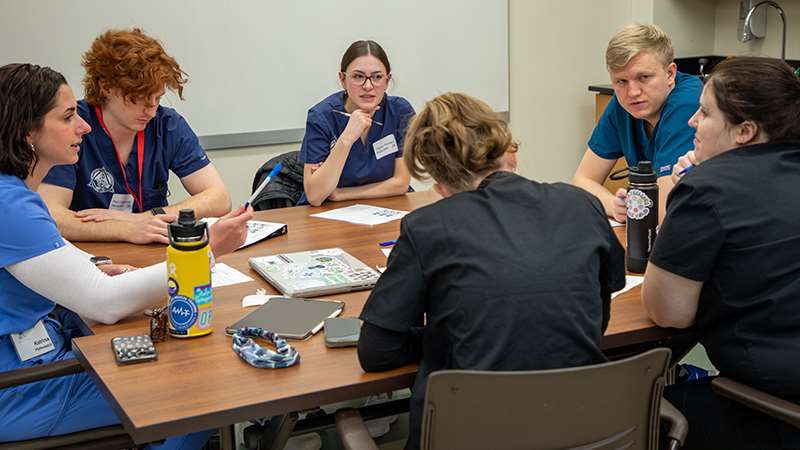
342	331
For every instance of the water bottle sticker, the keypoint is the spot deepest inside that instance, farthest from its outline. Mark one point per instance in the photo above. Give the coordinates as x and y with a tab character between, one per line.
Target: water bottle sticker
172	286
204	322
638	204
203	294
182	312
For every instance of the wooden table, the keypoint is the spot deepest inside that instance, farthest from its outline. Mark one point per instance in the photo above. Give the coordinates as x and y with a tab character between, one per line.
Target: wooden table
200	383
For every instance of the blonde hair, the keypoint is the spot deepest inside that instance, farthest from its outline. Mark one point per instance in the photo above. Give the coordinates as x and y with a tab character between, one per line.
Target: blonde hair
637	38
455	139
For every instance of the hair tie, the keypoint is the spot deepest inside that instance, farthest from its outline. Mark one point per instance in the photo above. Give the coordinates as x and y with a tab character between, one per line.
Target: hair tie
258	356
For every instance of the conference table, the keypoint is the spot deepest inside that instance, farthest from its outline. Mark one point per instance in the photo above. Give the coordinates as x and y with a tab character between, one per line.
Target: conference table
197	384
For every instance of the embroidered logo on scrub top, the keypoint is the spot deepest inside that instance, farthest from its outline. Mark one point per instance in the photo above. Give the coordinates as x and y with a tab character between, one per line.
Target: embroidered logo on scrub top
638	204
101	180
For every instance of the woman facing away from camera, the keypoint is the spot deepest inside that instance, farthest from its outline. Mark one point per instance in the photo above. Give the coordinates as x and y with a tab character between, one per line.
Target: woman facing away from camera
446	265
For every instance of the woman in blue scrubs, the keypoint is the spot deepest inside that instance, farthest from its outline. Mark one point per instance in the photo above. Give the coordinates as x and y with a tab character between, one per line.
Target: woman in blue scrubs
40	128
353	144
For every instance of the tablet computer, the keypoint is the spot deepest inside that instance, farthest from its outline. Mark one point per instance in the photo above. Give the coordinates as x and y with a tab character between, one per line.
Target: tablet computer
290	318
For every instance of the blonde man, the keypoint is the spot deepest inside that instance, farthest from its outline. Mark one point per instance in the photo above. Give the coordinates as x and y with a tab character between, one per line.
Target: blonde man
646	120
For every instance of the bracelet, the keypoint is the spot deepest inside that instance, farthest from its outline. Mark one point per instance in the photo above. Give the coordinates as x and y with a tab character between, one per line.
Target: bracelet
258	356
157	210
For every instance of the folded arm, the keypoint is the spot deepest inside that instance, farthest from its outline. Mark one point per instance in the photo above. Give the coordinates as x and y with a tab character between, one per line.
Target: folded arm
396	185
669	299
590	175
382	349
208	195
100	224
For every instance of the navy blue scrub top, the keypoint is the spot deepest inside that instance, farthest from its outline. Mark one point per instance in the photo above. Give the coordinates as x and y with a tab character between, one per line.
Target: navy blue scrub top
323	128
170	144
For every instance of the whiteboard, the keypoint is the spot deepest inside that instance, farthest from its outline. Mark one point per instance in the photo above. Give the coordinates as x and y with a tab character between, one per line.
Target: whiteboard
257	66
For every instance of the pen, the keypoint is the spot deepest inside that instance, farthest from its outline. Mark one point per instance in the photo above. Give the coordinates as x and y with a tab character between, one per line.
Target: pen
261	186
686	169
387	243
348	115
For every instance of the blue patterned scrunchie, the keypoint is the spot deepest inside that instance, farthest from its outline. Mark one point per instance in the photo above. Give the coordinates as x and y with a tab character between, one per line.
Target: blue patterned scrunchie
258	356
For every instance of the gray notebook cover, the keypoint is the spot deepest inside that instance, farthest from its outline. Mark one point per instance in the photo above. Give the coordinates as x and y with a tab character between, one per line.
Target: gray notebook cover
291	318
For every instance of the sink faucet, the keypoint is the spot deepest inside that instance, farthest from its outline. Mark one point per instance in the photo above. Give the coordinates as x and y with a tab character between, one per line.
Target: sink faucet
749	19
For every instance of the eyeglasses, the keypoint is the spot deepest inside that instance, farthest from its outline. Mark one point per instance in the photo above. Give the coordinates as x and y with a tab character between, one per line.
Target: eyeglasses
359	79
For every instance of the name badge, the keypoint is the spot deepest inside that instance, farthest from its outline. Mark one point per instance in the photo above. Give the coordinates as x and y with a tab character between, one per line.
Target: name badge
32	342
121	202
385	146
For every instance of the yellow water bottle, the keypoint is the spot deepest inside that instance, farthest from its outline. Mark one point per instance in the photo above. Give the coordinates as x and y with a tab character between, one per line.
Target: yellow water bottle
190	298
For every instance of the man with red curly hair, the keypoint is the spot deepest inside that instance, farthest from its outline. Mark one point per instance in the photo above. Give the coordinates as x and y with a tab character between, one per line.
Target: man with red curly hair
117	191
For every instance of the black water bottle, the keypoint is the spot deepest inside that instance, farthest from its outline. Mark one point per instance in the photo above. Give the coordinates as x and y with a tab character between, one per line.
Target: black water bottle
642	203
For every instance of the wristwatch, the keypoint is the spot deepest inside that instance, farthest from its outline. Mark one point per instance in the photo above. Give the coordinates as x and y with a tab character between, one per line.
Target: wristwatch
157	210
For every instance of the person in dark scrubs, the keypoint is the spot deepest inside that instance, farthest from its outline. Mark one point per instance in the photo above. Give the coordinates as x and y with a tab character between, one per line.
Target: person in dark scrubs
505	273
725	260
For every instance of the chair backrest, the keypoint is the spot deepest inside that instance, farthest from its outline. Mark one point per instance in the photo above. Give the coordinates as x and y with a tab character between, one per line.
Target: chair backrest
613	405
283	190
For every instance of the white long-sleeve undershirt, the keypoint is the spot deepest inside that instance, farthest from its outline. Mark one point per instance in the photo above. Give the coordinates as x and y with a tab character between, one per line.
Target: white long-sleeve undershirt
67	277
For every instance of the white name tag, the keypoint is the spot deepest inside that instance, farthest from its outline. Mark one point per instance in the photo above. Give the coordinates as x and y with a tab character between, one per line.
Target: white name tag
121	202
33	342
385	146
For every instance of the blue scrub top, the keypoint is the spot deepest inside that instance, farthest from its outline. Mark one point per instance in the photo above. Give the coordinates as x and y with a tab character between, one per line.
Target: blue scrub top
26	230
170	144
619	134
323	128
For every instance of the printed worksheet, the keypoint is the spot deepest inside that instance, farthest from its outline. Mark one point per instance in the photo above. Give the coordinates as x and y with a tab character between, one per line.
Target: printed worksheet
257	230
362	214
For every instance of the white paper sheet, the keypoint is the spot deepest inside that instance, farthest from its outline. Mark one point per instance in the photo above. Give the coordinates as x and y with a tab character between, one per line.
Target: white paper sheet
225	275
362	214
257	299
257	230
386	251
631	281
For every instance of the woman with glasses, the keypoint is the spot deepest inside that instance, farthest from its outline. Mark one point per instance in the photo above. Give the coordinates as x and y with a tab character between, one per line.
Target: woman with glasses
41	128
353	142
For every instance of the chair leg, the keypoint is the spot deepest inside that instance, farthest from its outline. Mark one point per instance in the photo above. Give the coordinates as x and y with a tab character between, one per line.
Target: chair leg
353	431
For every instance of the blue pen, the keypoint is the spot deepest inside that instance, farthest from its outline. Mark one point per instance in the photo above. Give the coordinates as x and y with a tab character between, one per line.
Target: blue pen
387	243
686	169
261	186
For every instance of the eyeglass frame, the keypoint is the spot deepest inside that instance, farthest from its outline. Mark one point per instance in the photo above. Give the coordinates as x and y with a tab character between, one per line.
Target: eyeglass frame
346	77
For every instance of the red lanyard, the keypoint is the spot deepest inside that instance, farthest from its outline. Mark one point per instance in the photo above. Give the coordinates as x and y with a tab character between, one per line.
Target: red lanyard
139	155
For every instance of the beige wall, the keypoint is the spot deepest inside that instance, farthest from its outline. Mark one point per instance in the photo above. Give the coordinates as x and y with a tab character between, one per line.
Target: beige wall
556	51
689	23
726	21
551	108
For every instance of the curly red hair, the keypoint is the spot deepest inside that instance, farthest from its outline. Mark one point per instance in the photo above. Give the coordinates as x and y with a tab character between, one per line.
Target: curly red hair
131	63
